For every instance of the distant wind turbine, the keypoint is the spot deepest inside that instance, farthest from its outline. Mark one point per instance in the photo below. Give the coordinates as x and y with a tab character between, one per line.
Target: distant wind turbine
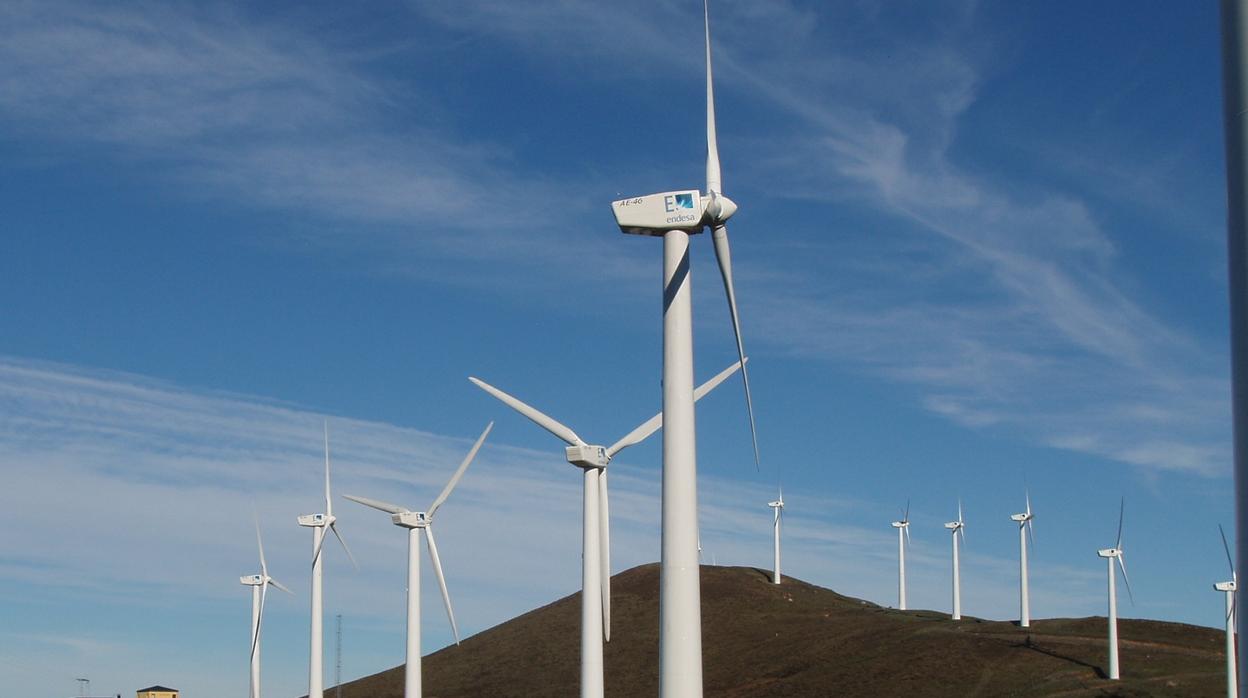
1110	555
415	522
778	507
259	584
318	523
903	537
595	521
958	529
1024	521
1229	588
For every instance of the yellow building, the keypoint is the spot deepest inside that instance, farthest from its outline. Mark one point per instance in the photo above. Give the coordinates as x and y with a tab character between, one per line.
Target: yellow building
157	692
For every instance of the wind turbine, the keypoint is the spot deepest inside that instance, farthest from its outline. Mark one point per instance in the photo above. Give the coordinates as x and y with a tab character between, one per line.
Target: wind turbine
778	507
259	584
1111	554
318	523
415	522
957	529
1024	521
674	216
596	536
903	527
1229	589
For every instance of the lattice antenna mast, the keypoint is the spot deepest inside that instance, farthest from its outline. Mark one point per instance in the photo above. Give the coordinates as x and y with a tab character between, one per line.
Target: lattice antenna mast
338	659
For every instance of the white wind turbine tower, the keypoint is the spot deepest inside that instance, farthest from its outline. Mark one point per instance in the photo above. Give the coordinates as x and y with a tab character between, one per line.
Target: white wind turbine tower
596	537
415	522
958	530
259	584
674	216
1229	588
778	507
903	537
1024	521
318	523
1110	555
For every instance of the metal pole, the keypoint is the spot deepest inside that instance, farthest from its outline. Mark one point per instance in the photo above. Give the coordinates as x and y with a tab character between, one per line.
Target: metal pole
957	581
775	577
1232	688
1113	621
1024	602
680	599
412	671
255	622
591	592
316	677
901	568
1234	90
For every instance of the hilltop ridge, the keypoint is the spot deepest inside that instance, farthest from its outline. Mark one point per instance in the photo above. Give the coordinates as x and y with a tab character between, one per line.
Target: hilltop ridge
798	639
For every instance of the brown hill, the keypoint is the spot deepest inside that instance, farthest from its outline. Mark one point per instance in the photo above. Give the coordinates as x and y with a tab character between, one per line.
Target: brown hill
798	639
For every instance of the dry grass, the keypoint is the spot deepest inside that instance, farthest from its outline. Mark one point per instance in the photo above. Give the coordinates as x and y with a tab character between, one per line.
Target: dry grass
797	639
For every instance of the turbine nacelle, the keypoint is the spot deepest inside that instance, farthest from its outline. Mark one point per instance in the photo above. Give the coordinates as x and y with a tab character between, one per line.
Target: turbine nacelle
1020	518
1225	586
410	519
900	524
954	525
1110	552
688	210
778	504
316	520
251	580
586	456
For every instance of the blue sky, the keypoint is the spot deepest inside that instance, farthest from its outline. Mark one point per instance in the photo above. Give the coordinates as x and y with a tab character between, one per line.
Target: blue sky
979	244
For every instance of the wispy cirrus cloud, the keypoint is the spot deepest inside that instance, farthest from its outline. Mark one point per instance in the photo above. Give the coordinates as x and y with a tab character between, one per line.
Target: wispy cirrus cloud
1004	300
167	477
1002	297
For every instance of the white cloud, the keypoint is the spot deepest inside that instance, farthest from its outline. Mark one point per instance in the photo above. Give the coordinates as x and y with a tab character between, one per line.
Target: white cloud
135	499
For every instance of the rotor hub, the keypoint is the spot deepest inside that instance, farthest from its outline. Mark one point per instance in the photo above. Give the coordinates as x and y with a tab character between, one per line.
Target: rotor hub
719	208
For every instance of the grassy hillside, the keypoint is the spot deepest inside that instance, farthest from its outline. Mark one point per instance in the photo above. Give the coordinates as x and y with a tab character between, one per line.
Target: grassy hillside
798	639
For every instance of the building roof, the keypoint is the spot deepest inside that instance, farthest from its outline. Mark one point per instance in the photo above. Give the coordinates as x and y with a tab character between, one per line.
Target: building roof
158	688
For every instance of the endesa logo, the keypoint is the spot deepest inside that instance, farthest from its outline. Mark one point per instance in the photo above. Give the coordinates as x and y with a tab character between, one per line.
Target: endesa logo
678	203
674	202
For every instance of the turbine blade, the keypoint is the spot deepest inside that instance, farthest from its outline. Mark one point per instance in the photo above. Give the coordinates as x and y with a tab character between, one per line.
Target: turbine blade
643	432
723	255
459	472
437	570
540	419
377	504
906	518
1227	548
281	586
604	552
907	531
329	502
1122	565
714	183
334	527
1121	509
255	638
320	545
1031	534
264	568
1027	494
960	511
